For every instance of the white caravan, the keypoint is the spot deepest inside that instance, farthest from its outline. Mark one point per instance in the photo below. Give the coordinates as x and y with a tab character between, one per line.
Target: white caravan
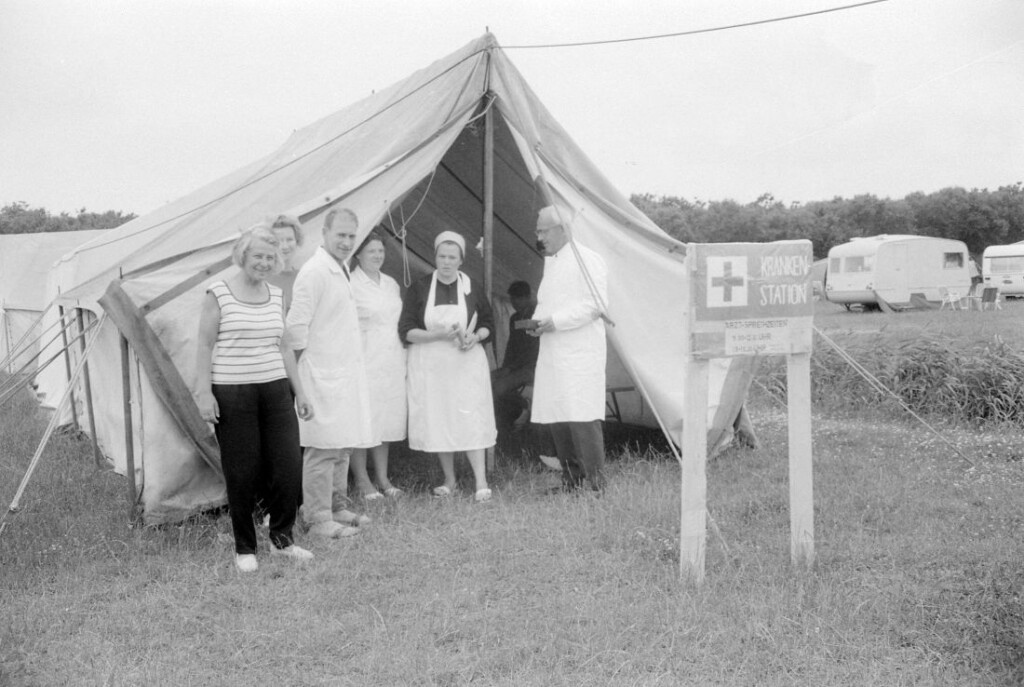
894	268
1003	267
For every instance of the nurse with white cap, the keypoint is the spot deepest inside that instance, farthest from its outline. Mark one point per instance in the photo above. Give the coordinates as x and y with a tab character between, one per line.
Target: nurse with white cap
446	319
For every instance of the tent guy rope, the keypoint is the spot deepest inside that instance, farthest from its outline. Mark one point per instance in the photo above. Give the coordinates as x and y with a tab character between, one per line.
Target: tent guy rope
14	507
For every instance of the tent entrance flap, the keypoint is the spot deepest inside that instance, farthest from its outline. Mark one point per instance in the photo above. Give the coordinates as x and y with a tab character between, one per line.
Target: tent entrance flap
167	381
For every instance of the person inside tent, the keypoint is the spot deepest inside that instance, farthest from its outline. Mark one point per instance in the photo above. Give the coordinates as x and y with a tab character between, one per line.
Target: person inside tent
379	303
445	320
519	361
289	232
246	382
569	383
324	329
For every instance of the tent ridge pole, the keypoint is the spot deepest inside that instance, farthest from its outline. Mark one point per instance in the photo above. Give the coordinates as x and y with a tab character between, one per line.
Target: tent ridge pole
488	218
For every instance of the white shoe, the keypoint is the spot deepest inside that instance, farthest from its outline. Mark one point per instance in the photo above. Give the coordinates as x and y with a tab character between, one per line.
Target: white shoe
482	495
347	517
332	530
551	462
246	562
296	553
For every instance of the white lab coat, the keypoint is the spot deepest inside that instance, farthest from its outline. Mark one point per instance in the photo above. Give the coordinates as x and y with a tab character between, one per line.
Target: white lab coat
379	305
324	324
569	384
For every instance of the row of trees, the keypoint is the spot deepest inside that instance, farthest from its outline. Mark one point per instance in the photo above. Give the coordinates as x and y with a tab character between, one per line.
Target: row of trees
19	218
979	218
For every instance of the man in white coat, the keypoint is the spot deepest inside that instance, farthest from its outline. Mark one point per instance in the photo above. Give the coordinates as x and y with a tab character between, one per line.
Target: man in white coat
569	383
323	327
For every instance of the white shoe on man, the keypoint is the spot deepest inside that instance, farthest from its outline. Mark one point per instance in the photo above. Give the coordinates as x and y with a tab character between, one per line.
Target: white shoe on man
296	553
347	517
332	530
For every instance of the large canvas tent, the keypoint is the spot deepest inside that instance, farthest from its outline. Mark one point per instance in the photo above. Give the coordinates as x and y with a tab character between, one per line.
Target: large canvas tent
25	264
463	144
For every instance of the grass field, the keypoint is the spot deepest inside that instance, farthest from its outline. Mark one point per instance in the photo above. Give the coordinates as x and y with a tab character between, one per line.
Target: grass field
919	577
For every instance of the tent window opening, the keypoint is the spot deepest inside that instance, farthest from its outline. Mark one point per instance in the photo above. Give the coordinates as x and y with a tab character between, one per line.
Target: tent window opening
858	263
952	261
1010	263
834	265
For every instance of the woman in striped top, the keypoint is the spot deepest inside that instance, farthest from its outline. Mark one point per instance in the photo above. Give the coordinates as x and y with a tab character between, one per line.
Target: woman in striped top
248	387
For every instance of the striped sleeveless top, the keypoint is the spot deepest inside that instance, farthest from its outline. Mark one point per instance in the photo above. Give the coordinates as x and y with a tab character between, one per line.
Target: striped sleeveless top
248	342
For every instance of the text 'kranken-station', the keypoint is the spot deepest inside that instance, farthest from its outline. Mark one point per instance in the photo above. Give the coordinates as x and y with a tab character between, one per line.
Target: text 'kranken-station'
781	266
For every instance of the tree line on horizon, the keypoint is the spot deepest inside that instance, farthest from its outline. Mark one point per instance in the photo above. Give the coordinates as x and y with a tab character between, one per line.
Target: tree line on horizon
19	218
978	217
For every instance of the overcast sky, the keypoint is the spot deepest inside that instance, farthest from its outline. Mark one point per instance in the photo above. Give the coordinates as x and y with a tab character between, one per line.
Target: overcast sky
128	105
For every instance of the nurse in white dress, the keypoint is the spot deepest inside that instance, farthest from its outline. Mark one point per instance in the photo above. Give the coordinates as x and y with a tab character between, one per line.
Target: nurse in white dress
445	319
379	303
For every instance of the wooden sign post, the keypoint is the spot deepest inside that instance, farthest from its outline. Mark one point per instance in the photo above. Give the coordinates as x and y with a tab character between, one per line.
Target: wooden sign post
747	299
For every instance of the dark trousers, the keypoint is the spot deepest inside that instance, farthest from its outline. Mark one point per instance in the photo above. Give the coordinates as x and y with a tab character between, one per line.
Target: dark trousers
580	448
258	433
508	401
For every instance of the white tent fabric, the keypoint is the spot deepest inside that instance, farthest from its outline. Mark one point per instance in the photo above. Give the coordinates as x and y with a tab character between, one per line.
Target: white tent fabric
25	264
407	160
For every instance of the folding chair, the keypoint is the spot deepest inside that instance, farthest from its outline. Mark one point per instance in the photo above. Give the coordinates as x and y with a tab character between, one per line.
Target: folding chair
950	298
990	298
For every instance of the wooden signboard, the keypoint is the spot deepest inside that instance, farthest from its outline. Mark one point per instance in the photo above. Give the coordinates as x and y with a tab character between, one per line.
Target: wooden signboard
747	299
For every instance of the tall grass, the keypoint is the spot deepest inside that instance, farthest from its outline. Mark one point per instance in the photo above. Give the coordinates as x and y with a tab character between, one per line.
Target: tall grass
963	367
917	580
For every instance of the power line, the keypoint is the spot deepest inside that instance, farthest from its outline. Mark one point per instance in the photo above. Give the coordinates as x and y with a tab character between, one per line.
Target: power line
694	31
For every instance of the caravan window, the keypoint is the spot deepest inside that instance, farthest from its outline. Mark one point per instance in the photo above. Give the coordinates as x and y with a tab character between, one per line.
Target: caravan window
1011	263
858	263
952	261
833	265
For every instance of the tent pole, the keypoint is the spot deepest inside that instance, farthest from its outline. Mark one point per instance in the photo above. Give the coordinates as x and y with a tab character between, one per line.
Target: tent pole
488	221
488	218
129	438
67	363
88	393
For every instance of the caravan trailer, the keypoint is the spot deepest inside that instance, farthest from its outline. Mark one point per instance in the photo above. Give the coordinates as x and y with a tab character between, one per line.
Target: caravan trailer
894	267
1003	267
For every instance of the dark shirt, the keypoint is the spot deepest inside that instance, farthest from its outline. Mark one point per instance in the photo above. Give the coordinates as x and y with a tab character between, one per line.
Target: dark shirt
521	349
415	304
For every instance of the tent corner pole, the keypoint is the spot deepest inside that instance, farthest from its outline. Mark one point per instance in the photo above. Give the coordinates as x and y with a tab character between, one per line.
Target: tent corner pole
88	393
129	437
67	363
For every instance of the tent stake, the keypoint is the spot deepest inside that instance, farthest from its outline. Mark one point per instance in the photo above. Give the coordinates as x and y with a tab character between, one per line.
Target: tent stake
88	393
129	438
67	364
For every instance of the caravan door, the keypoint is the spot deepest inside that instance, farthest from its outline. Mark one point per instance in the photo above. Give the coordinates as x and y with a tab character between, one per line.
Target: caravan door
892	274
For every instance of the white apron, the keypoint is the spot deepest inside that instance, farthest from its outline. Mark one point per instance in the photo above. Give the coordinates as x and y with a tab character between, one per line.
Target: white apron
450	406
